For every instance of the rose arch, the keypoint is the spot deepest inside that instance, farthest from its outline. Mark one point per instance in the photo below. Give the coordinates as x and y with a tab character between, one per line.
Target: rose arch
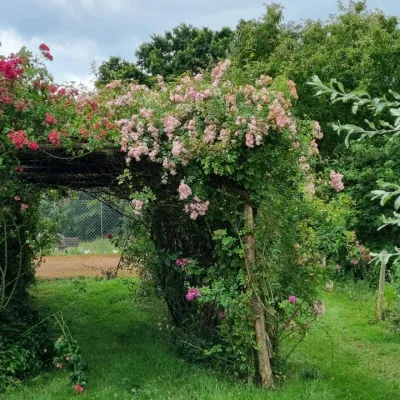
219	175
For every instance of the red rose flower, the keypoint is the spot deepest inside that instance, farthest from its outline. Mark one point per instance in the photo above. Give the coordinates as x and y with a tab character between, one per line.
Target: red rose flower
44	47
50	119
53	88
20	105
33	146
78	388
109	236
48	55
54	137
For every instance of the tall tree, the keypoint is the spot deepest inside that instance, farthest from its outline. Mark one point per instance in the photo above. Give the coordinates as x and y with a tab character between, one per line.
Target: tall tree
361	49
117	68
358	47
183	49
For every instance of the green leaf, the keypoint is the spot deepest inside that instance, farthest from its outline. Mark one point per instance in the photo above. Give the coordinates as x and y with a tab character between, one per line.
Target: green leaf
397	203
394	94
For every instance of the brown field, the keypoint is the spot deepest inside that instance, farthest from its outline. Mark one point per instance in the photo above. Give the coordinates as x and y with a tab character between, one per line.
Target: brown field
89	265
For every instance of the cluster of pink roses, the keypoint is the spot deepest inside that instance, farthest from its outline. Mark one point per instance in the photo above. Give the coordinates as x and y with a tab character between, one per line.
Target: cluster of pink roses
181	262
137	207
293	90
219	70
314	147
197	208
336	181
193	294
317	131
50	119
24	206
184	191
278	114
364	253
78	388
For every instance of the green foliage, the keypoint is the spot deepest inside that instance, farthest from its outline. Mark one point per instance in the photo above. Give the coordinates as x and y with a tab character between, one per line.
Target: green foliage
116	68
183	49
257	40
382	110
25	345
68	355
359	48
76	215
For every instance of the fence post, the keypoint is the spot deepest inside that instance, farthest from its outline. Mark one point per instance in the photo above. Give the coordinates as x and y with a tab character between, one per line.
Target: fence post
381	291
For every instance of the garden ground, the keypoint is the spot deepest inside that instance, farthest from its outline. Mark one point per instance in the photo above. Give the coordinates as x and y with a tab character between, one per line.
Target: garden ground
124	337
80	265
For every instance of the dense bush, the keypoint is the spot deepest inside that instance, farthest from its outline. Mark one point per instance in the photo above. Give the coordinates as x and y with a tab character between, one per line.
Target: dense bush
26	347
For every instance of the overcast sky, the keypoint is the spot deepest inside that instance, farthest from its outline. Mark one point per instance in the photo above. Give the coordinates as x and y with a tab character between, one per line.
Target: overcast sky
82	31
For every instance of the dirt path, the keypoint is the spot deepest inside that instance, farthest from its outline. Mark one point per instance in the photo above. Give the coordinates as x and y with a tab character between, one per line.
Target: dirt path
79	265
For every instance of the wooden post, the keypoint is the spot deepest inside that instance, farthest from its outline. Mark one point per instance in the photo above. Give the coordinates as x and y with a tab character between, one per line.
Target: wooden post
381	292
262	339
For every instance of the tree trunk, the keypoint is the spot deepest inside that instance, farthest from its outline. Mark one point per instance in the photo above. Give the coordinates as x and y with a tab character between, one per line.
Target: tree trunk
262	339
381	292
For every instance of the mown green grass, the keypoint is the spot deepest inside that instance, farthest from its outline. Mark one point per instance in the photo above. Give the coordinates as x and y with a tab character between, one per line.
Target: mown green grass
130	358
97	246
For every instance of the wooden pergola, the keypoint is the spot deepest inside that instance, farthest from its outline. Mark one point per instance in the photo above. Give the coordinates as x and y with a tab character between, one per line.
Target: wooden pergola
53	165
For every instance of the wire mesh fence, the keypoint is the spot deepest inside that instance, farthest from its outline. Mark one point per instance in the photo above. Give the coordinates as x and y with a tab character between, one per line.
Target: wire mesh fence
84	224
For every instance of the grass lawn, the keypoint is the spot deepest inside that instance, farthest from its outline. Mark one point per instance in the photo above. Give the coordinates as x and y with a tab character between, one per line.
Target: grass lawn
129	356
97	246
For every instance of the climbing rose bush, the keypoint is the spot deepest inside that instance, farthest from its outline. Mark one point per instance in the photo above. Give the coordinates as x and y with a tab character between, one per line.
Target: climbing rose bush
34	112
203	117
216	144
210	145
336	181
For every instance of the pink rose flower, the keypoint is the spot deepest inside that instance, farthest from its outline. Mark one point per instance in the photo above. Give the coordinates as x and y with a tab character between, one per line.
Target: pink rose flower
193	294
78	388
292	299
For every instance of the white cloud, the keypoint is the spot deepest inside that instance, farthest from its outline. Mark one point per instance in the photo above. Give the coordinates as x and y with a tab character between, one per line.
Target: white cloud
72	49
75	8
72	58
86	80
116	6
82	31
11	41
229	17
